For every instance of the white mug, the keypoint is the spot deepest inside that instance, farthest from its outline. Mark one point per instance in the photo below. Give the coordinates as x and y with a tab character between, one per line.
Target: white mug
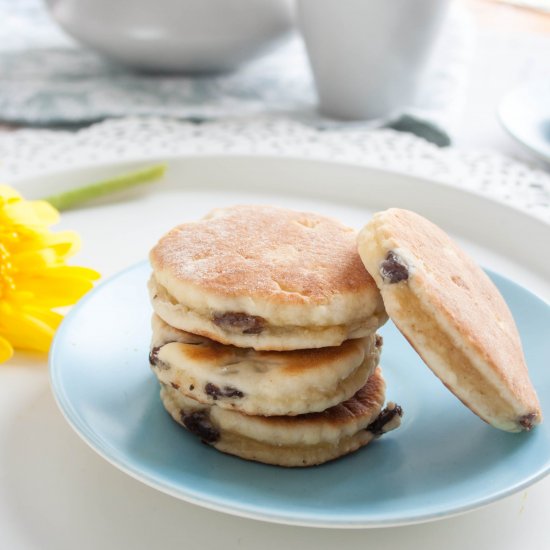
367	56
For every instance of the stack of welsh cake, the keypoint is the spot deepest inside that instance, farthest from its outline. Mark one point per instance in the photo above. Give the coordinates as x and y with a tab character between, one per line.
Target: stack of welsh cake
264	335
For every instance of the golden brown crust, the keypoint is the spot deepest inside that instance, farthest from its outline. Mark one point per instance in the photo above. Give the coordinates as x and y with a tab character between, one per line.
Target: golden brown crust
297	441
292	362
292	457
201	349
264	252
365	405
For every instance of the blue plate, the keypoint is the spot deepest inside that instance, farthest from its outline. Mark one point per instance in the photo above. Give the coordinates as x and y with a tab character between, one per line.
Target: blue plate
443	460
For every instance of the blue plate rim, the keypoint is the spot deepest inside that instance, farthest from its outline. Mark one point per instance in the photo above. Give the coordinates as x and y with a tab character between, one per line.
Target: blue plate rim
228	505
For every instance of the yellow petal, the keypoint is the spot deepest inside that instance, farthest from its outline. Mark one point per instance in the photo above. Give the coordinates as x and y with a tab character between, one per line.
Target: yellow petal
27	332
8	193
58	286
6	350
31	261
26	213
66	243
45	212
34	276
61	293
51	318
17	340
77	271
24	240
18	298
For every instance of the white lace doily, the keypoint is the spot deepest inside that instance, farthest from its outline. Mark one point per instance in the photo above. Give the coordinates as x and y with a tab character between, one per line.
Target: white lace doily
31	152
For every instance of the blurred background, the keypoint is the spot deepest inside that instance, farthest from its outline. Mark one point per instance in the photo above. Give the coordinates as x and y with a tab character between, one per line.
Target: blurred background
471	73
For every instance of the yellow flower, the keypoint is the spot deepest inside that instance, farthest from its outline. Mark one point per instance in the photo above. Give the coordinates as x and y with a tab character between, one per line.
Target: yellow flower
34	276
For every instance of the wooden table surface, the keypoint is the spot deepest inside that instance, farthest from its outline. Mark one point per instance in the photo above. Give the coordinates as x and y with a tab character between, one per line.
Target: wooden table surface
512	46
508	18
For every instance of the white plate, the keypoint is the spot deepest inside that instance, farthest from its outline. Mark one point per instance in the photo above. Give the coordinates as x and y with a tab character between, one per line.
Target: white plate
120	233
525	114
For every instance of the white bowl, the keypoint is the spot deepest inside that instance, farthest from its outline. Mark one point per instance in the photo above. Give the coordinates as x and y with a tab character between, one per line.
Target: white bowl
176	35
368	56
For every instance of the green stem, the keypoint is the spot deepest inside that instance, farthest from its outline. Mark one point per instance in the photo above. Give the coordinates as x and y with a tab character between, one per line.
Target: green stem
65	200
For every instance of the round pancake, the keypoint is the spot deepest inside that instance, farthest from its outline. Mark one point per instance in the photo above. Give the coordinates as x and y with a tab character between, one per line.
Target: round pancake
303	440
261	382
453	315
266	278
